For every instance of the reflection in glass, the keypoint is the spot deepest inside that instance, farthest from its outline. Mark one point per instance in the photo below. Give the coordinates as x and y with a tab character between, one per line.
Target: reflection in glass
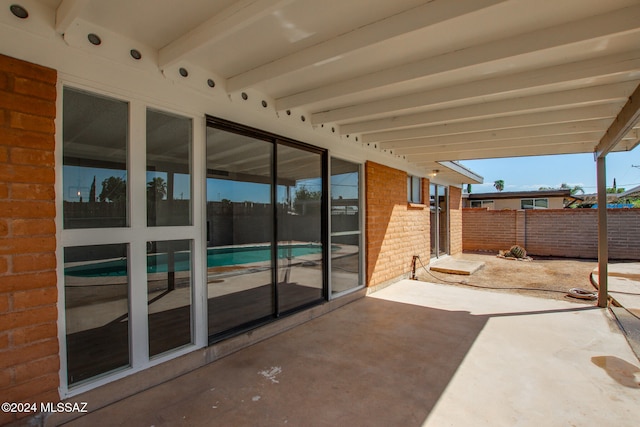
239	230
94	134
345	225
433	221
169	295
299	198
168	169
443	220
96	288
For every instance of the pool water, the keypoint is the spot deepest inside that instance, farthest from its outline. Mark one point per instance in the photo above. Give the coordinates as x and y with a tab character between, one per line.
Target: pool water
216	257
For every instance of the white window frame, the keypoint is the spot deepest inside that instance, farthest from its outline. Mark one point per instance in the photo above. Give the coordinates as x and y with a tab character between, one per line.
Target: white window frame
412	182
135	235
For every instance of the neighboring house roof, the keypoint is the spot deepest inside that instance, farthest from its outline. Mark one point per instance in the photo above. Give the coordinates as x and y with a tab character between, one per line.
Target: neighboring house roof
522	195
634	192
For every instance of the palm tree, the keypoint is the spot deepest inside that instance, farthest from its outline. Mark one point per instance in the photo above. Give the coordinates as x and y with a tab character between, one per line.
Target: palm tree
156	189
499	184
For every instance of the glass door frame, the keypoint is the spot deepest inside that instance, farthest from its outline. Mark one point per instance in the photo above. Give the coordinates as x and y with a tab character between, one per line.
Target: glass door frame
434	229
277	140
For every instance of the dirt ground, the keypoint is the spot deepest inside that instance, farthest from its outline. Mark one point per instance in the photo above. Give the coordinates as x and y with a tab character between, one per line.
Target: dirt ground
552	276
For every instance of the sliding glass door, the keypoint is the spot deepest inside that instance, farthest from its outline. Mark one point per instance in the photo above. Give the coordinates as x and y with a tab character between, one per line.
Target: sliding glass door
265	228
439	207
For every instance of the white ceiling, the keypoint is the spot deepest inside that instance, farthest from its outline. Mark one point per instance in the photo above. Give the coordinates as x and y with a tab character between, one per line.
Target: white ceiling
438	80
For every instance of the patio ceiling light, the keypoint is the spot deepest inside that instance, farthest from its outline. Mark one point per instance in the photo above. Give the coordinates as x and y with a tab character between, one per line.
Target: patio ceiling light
94	39
183	72
19	11
435	172
135	54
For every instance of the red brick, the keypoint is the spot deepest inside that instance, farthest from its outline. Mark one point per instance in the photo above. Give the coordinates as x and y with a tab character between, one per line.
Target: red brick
27	174
30	122
35	298
35	88
4	303
21	282
21	319
17	67
25	245
22	392
33	192
34	333
27	104
4	265
34	262
36	368
4	154
26	156
6	378
4	81
4	190
27	209
4	228
21	138
33	227
4	342
38	350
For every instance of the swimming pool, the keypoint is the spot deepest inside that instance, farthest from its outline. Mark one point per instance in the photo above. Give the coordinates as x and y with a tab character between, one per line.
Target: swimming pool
216	257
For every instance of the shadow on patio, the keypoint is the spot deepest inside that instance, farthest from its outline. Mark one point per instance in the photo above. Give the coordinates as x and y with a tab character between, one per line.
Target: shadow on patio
411	354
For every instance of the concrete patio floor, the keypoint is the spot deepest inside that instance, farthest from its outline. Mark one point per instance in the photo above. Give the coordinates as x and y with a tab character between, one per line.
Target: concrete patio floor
412	354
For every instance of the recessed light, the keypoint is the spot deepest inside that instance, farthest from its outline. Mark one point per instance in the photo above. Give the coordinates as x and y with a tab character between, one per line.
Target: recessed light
244	96
211	83
94	39
183	72
19	11
135	54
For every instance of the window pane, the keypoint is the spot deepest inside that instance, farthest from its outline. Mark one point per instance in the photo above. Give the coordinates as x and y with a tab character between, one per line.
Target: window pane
239	230
416	196
542	203
94	133
299	197
169	295
345	196
96	288
526	204
345	218
168	169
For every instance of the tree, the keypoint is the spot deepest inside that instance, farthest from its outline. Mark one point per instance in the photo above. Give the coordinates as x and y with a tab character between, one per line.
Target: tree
114	189
302	196
499	184
92	191
156	189
564	186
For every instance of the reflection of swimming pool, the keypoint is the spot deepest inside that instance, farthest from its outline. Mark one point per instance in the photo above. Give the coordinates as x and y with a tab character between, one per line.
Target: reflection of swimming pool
216	257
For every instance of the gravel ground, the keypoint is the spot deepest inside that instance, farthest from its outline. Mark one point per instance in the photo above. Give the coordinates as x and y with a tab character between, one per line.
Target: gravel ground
550	277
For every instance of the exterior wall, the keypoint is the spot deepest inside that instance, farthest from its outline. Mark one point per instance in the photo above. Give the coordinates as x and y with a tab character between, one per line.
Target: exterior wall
499	204
455	220
395	231
550	232
29	360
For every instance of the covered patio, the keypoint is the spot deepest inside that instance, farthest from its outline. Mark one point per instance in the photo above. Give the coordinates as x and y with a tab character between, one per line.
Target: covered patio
207	122
431	355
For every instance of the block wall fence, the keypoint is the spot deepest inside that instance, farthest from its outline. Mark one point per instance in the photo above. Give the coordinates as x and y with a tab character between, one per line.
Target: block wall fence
569	233
29	361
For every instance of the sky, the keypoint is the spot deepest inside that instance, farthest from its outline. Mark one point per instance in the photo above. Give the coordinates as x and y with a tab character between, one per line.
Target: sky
531	173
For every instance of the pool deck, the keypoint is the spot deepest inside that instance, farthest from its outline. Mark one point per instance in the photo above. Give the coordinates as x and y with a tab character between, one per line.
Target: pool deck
411	354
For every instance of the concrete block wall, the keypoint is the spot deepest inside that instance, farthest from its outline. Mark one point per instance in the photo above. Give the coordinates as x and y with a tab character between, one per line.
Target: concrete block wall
395	230
569	233
29	360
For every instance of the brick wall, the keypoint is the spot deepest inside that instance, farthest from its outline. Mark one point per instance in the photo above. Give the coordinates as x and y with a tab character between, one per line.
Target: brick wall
455	220
395	231
29	360
553	232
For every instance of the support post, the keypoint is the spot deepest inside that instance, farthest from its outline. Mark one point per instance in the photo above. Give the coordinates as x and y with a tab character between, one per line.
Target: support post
603	249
